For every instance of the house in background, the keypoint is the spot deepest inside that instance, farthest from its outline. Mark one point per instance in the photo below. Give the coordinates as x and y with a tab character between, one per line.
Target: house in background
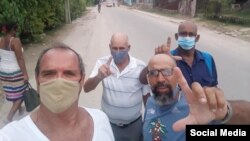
240	4
167	4
162	4
184	7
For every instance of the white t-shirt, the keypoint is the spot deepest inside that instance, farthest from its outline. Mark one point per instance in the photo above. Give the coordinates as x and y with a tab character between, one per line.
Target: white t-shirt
26	130
8	61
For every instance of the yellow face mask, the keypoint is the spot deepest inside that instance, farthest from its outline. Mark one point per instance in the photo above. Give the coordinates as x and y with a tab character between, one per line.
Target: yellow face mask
59	94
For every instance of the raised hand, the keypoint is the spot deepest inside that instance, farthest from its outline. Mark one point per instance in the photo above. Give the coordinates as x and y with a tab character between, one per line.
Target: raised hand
104	70
205	104
166	48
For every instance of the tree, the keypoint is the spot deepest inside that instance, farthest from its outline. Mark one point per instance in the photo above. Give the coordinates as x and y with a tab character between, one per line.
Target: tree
67	12
187	7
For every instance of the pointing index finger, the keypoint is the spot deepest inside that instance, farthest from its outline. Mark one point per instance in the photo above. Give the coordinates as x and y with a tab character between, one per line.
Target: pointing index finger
109	61
169	49
183	84
166	47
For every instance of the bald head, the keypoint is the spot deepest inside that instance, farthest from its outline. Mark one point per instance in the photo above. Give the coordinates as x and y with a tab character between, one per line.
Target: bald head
187	25
161	79
119	38
161	61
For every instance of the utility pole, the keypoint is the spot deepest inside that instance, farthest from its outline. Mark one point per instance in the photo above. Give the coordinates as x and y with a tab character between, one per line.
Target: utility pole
67	12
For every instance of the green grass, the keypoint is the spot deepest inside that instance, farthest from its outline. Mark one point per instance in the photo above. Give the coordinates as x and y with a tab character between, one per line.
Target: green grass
243	13
160	12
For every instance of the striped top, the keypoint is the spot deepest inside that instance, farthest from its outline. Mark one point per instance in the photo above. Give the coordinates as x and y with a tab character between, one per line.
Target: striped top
11	75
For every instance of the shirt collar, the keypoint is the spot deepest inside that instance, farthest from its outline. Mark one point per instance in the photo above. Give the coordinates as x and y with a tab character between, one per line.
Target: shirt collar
131	65
197	54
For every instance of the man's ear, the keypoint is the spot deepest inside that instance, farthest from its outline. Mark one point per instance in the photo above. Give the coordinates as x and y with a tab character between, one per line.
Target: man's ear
148	81
82	79
197	38
37	84
176	36
81	83
129	47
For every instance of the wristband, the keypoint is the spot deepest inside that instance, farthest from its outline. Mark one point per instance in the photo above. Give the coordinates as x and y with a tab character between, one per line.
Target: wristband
228	115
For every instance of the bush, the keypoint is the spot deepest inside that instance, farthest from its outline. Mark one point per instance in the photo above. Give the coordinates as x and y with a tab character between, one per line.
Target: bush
234	20
220	10
78	6
34	17
213	9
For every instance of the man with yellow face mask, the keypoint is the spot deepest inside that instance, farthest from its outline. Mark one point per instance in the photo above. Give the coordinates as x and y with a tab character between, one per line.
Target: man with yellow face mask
59	77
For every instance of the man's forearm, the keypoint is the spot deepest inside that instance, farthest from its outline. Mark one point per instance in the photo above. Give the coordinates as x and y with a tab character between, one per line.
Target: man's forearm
241	112
91	84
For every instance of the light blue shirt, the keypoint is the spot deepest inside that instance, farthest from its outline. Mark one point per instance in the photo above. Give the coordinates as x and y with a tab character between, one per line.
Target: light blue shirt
159	120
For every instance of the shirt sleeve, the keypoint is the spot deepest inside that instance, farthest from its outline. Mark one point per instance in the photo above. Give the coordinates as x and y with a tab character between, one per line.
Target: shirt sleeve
96	68
3	137
215	82
146	89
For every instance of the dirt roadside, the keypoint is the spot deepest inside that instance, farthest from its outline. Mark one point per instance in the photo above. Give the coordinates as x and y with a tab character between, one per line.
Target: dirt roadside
237	31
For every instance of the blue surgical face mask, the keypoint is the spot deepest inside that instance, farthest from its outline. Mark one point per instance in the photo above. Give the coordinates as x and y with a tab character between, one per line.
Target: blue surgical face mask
119	56
186	43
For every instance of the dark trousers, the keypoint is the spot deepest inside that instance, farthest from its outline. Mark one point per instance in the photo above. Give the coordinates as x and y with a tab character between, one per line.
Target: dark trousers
130	132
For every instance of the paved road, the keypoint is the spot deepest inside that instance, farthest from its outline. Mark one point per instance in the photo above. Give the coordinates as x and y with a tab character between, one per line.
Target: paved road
90	36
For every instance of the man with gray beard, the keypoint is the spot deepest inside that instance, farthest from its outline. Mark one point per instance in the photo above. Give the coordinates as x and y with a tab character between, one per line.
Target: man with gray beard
162	99
174	104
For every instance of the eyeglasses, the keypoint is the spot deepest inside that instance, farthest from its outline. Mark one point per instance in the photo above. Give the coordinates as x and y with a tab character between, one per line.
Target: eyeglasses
165	72
185	34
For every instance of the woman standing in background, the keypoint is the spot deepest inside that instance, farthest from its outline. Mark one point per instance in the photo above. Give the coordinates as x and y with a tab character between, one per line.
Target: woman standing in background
13	73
